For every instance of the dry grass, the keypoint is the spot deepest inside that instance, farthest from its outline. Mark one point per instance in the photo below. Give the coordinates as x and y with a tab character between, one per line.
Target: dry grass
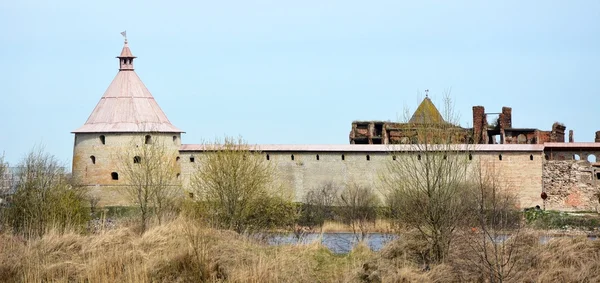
182	251
179	251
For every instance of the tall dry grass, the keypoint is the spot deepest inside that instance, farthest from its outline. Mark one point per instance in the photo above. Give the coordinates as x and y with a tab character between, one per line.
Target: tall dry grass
179	251
183	251
562	259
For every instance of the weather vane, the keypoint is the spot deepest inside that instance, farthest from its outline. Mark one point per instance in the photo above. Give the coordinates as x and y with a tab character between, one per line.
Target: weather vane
124	34
426	91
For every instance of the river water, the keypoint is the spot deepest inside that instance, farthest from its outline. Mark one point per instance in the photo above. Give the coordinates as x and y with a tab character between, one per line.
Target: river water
342	243
339	243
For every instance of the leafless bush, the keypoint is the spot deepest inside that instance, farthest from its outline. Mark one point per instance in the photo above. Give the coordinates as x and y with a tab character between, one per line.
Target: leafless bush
150	174
357	206
236	189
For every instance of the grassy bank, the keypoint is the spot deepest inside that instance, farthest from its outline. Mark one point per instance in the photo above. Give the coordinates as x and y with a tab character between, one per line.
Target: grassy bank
179	251
183	251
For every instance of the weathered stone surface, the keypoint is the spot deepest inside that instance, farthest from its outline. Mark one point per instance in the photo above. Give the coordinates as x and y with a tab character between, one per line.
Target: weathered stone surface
570	185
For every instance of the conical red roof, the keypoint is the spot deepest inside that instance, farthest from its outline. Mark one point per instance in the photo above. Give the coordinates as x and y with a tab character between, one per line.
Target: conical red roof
127	106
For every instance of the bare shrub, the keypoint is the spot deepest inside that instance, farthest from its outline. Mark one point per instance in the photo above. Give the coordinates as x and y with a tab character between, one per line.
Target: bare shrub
150	174
236	189
496	224
357	206
318	205
425	187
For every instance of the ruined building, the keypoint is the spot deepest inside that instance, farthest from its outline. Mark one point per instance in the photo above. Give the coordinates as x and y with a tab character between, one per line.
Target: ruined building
531	161
486	130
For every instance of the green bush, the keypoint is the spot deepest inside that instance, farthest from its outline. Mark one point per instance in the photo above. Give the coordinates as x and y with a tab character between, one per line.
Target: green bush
551	219
44	198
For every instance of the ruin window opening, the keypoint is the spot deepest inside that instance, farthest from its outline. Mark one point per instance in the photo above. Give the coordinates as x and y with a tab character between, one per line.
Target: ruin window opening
343	157
576	157
292	157
591	158
114	175
192	159
546	156
531	157
268	157
137	159
177	176
148	139
368	157
598	175
177	158
103	139
317	157
93	158
500	157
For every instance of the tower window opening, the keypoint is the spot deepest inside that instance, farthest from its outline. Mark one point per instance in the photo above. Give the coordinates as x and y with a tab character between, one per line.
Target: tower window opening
368	157
343	157
419	157
268	157
598	175
177	176
103	139
531	157
137	159
177	158
317	157
470	156
175	139
148	139
393	157
192	159
445	157
93	158
500	157
546	157
114	175
292	157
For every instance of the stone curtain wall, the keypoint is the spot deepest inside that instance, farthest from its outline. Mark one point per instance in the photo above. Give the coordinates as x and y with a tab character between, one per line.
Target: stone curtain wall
571	185
516	171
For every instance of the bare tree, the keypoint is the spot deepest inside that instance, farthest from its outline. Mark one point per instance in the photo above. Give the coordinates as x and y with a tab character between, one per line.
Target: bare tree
236	187
151	173
318	205
426	184
495	219
357	206
4	179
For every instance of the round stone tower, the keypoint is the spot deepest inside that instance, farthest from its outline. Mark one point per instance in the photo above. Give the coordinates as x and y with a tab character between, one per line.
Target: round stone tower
126	116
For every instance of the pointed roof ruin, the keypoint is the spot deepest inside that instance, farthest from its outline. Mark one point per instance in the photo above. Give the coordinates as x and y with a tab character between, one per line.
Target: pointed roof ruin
427	113
127	105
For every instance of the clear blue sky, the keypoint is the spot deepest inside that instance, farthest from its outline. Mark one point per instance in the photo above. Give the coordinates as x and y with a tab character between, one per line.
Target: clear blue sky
283	73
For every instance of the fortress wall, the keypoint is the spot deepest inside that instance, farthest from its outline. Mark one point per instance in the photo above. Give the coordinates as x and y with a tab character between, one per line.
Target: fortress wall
516	170
571	185
519	172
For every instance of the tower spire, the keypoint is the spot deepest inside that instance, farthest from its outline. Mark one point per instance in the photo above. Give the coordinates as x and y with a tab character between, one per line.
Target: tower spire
126	58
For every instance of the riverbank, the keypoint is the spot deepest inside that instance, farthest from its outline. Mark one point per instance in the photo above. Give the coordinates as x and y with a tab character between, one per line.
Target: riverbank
184	251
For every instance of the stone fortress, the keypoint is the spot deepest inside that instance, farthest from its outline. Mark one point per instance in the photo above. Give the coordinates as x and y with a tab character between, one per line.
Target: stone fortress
531	161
